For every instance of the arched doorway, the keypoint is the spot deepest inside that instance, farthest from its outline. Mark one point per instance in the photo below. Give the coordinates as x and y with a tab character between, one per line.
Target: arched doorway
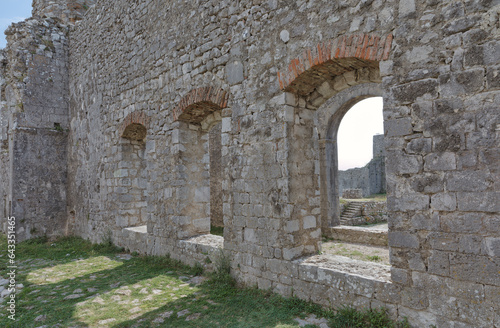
335	109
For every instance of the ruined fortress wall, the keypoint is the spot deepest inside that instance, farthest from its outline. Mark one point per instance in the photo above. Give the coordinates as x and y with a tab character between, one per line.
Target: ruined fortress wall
441	98
370	178
34	117
68	11
4	145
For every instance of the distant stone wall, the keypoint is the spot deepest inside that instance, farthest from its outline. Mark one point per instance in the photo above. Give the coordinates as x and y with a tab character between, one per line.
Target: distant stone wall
371	212
378	146
352	193
370	178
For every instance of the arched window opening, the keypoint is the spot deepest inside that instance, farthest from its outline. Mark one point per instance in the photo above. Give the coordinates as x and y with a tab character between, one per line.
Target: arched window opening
215	170
356	165
199	132
361	169
131	177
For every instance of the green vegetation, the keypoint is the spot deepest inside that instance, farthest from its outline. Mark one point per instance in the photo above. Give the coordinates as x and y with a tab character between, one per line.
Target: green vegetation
72	283
350	317
348	251
219	231
373	258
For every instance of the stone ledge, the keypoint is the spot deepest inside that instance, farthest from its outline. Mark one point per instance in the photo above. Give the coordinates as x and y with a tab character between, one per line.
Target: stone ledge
336	265
361	235
139	229
202	243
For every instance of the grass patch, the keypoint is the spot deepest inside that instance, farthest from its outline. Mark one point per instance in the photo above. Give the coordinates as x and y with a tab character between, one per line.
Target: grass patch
373	258
358	252
72	283
219	231
348	317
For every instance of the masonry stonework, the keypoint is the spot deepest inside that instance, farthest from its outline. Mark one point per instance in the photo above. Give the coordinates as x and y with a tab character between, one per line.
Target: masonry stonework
278	76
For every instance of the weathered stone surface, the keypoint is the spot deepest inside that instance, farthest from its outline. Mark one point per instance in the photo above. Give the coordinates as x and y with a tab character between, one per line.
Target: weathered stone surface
277	174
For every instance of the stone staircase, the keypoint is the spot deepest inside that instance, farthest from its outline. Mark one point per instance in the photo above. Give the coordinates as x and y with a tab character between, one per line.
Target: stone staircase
351	210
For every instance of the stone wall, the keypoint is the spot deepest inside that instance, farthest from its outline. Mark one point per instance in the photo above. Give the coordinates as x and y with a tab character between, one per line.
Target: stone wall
4	145
68	11
272	141
216	171
369	178
279	76
378	146
35	125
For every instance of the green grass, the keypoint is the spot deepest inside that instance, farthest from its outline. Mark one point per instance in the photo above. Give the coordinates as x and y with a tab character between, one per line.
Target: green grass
373	258
347	317
110	290
219	231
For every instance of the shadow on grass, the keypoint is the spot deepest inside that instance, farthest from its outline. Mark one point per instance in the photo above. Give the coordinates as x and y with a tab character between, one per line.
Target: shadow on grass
48	299
165	299
207	305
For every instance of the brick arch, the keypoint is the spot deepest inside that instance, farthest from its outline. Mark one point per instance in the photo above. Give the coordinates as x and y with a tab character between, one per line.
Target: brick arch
333	58
135	126
199	103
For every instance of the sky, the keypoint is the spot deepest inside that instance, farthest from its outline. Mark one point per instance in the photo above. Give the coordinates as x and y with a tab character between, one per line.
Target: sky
356	131
12	11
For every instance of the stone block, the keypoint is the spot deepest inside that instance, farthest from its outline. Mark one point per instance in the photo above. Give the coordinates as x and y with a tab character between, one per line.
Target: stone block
419	146
439	263
249	235
409	202
400	163
444	202
479	201
468	181
326	90
414	298
493	77
339	83
454	84
291	253
226	124
403	239
234	72
461	222
471	267
428	183
410	92
491	246
425	221
121	173
470	244
406	8
309	222
440	162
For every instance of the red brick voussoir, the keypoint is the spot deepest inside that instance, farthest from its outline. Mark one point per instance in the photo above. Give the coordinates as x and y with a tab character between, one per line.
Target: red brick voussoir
335	57
134	118
199	103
